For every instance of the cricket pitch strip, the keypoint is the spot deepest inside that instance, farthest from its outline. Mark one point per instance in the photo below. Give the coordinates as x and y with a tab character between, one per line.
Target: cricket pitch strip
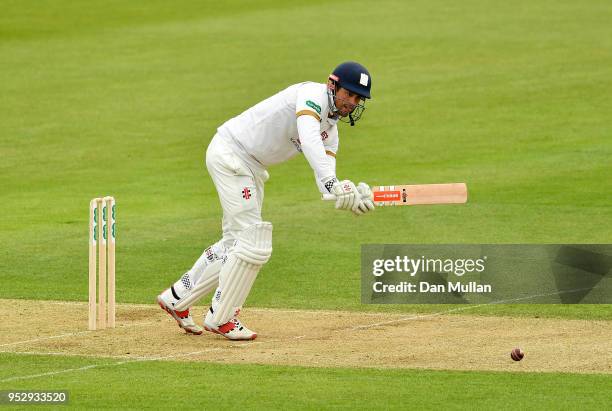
316	338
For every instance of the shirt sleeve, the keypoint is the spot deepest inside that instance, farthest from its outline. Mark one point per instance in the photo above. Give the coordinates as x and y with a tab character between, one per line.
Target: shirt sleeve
330	140
320	184
313	148
330	143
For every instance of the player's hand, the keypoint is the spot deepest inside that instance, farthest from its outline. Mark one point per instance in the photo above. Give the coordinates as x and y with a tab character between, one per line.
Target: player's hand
347	196
366	204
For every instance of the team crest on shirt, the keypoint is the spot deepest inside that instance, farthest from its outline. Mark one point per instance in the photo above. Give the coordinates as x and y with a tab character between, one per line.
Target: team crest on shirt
210	254
246	193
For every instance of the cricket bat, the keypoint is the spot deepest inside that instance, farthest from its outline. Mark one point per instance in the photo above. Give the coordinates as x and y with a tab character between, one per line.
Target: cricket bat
416	194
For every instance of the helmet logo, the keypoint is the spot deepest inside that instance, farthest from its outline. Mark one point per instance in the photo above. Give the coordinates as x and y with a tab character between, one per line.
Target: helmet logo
364	79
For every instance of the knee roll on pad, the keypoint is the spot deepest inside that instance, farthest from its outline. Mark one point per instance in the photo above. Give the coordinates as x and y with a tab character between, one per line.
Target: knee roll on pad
252	250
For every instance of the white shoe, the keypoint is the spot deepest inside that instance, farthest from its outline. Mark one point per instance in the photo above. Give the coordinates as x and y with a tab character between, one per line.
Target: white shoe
183	318
233	329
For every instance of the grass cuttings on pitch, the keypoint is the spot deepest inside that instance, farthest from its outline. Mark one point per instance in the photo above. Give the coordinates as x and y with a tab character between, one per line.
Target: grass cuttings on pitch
122	99
161	384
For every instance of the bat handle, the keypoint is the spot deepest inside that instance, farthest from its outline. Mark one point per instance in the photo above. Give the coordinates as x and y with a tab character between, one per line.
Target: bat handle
329	197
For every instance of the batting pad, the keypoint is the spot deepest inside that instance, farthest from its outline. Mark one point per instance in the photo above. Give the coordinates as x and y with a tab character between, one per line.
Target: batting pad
207	282
252	250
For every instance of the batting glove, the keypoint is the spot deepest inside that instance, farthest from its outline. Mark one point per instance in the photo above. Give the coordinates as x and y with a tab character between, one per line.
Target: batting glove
347	196
366	204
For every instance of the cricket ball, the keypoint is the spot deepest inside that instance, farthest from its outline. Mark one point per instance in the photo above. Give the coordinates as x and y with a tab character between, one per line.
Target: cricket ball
517	354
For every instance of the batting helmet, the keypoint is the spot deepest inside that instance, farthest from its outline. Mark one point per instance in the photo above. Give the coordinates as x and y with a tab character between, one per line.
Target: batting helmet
353	77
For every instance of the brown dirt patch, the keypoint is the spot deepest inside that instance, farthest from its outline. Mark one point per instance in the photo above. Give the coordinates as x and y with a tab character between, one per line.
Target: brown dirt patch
317	338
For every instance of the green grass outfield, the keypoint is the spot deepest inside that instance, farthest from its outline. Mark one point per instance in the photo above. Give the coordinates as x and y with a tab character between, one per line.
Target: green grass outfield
121	98
139	385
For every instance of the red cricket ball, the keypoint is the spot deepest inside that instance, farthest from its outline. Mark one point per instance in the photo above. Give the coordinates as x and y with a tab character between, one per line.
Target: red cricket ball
517	354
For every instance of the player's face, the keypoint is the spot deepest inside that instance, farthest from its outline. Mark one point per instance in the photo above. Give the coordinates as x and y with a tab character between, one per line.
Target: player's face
346	101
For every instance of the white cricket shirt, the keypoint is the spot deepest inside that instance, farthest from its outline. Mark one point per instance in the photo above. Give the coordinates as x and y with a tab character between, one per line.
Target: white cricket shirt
268	131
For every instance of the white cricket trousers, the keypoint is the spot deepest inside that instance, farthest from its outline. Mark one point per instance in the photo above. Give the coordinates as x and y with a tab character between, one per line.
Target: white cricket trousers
240	187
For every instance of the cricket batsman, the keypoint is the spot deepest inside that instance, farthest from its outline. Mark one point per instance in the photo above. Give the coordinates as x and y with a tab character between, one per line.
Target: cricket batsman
300	119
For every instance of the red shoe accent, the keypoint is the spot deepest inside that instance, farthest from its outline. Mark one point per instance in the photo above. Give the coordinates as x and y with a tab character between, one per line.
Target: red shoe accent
182	314
166	309
227	327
